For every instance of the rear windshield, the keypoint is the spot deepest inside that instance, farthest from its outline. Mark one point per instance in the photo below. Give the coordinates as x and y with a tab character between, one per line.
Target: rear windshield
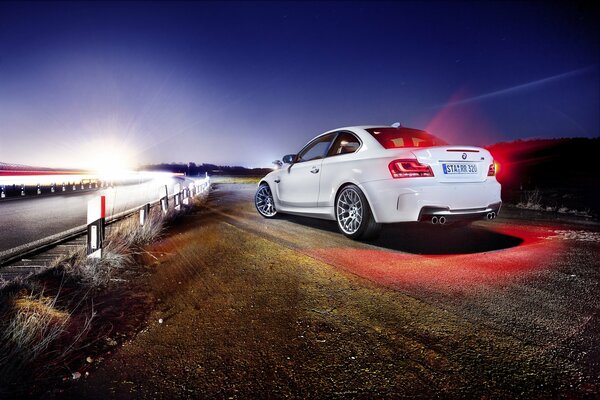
396	138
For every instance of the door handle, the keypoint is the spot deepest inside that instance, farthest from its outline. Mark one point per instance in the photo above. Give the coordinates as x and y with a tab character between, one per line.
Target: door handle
314	170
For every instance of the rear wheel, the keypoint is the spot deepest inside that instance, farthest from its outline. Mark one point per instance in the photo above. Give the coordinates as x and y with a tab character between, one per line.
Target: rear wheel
263	200
353	214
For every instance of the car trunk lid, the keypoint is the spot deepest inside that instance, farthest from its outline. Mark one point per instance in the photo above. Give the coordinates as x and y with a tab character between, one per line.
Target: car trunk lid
456	163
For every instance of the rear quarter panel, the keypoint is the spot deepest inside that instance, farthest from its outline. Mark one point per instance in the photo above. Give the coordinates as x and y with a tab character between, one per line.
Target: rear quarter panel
363	166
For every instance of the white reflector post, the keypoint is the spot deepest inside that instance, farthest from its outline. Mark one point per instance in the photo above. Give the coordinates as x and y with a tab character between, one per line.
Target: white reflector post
96	216
164	199
186	195
144	213
177	196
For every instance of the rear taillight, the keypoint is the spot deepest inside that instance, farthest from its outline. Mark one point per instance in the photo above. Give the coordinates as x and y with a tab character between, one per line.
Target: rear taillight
492	169
409	168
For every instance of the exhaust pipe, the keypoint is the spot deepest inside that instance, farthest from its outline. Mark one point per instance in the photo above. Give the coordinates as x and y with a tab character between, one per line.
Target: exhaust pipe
434	220
442	220
491	215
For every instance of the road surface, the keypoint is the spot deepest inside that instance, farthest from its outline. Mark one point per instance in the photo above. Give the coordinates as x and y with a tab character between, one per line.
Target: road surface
250	307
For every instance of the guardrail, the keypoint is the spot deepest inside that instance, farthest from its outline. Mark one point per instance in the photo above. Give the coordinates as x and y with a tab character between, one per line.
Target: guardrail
199	186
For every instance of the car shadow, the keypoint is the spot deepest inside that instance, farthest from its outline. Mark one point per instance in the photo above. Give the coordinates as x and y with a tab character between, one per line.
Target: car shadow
419	238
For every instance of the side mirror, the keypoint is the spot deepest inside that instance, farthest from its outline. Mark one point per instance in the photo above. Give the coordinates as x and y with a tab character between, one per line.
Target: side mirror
277	163
289	159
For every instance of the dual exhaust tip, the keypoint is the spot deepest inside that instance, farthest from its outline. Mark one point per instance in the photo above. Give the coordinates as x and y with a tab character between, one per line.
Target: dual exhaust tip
442	220
436	220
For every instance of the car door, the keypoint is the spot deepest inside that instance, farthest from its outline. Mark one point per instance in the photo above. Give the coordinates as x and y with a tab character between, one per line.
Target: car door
337	166
298	184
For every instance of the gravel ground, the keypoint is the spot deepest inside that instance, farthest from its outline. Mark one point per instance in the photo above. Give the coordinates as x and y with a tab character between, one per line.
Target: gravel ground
248	307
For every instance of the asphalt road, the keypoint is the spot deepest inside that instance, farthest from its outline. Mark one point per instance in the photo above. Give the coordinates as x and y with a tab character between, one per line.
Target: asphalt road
25	220
290	307
538	281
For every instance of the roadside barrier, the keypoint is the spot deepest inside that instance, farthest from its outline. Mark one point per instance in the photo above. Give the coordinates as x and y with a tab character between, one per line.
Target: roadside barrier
6	257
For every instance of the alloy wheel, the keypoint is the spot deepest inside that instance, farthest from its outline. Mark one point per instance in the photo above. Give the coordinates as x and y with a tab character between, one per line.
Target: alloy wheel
264	201
350	211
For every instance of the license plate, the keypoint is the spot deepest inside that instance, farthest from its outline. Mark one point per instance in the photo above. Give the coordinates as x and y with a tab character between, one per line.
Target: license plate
459	168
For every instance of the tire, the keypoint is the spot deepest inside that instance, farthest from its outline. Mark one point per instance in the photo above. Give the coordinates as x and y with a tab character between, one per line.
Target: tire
264	202
353	214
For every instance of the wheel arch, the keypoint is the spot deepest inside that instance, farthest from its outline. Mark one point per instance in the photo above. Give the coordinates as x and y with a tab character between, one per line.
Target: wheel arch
271	185
362	189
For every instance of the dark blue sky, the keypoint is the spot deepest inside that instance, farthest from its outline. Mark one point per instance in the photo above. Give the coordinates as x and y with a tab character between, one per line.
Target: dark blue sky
244	83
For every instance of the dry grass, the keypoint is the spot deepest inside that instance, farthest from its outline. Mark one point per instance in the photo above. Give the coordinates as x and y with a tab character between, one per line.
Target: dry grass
35	323
36	334
124	240
532	201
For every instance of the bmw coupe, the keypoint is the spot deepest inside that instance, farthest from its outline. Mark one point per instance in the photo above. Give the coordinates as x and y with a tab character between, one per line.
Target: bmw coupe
366	176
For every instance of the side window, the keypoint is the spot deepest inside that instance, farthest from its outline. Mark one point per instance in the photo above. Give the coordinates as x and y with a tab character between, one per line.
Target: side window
317	149
344	144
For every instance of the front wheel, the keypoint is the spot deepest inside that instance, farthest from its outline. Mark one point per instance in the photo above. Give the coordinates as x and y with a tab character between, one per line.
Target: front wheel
353	214
263	200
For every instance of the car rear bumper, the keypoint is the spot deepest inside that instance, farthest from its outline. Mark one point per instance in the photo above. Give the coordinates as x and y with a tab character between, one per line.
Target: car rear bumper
411	200
442	216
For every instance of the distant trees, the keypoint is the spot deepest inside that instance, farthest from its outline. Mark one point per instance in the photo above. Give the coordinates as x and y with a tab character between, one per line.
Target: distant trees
193	169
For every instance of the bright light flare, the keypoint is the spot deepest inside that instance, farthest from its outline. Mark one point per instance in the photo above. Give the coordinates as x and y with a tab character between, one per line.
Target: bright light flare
110	159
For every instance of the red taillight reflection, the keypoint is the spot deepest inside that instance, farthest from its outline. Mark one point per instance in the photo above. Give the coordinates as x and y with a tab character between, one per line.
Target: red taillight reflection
409	168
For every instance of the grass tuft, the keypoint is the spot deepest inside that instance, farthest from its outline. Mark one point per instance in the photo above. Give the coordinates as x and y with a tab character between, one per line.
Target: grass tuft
532	201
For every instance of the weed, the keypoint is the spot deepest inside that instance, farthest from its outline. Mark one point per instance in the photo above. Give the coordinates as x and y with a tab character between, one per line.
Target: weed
36	334
532	201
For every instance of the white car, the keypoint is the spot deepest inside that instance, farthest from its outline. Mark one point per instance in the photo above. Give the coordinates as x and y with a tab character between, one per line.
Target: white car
365	176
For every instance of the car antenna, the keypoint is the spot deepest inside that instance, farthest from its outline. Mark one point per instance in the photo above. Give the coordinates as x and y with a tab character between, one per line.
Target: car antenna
396	125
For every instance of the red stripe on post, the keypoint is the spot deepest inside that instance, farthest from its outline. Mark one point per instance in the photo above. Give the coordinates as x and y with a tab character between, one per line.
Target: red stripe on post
102	206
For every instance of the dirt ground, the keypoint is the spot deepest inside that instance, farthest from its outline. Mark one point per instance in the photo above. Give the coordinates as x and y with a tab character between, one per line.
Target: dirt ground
247	310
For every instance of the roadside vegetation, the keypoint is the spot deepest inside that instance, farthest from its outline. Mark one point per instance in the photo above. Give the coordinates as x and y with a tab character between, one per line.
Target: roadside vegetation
536	200
238	179
52	324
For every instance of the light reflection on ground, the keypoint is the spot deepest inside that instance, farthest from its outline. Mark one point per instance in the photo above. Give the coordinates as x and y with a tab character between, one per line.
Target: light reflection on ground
527	252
